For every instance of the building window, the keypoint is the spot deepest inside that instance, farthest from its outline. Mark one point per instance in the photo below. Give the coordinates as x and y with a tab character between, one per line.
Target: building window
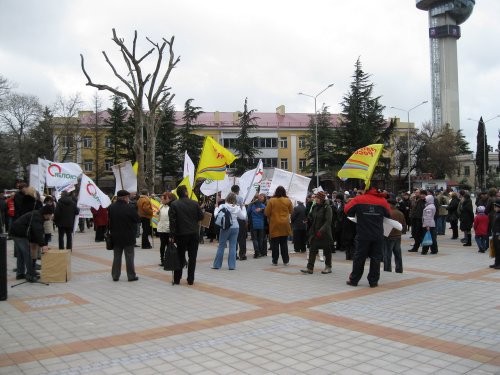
466	171
108	164
283	142
67	141
302	141
302	163
87	142
265	142
107	142
88	165
266	162
284	163
229	142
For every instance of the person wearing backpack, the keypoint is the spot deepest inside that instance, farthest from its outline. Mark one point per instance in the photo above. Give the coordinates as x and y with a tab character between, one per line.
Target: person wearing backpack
227	215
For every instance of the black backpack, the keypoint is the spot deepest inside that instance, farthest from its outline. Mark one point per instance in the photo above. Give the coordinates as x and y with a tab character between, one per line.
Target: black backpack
224	220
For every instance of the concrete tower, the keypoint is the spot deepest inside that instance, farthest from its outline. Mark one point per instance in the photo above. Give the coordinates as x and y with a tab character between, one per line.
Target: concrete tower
445	16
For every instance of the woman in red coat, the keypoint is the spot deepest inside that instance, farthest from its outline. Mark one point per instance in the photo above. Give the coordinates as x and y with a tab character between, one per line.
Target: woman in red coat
100	222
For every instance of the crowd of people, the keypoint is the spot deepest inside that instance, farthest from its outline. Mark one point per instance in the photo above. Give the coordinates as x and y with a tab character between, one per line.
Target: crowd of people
348	221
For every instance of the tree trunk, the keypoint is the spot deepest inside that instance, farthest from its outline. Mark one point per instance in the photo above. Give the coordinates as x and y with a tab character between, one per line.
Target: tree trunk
139	148
150	153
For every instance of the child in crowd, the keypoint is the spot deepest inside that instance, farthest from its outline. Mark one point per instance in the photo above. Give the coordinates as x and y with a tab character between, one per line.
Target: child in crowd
481	222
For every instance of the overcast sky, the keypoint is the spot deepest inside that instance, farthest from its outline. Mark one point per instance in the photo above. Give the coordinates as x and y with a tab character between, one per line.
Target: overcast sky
266	50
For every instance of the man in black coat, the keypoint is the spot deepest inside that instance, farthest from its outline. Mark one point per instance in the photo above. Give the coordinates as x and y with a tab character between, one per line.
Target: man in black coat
299	226
64	218
27	229
416	222
185	215
123	220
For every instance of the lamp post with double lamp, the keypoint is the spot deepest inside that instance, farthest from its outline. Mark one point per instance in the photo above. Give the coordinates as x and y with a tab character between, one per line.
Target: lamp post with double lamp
485	151
409	150
316	129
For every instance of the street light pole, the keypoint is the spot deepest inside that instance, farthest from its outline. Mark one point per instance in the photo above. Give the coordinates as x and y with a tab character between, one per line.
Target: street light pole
485	153
409	151
316	126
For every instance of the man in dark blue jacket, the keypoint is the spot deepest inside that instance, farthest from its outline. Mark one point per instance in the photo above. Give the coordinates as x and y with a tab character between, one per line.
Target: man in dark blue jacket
123	220
185	215
370	210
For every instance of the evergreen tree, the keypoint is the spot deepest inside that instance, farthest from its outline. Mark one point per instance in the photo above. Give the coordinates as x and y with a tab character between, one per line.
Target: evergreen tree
481	153
168	157
117	132
462	144
244	146
41	138
188	140
361	121
326	142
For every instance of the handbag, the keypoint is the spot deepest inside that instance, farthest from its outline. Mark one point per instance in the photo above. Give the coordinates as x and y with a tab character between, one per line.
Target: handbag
108	239
427	241
171	260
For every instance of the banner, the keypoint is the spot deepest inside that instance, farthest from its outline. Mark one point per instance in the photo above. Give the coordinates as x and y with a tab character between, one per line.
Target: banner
213	160
35	180
85	212
188	168
296	186
264	187
211	187
60	174
250	182
155	205
91	195
125	176
362	164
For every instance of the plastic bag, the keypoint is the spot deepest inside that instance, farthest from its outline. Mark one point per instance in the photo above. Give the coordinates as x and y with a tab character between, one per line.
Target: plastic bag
427	241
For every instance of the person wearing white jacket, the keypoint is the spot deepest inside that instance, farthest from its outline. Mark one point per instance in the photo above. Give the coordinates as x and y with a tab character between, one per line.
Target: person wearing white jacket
229	235
163	226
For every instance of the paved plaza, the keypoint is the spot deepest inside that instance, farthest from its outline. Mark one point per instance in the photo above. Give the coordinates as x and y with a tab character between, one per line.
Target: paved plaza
441	316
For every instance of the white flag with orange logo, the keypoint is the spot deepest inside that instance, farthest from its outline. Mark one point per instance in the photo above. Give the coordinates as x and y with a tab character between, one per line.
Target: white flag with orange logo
60	174
91	195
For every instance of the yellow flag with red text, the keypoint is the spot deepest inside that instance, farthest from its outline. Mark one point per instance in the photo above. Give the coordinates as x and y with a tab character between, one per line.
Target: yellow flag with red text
362	164
213	160
185	181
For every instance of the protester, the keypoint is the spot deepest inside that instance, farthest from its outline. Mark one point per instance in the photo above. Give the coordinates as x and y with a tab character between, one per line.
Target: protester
64	218
27	229
184	215
349	236
48	224
369	210
278	211
299	226
231	234
337	221
243	232
255	213
404	206
320	234
133	204
163	226
442	212
11	212
489	209
123	221
481	222
495	233
393	241
3	212
145	211
416	223
100	217
466	214
453	214
429	224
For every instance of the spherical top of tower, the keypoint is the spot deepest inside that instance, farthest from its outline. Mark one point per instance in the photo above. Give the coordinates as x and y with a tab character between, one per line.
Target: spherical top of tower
459	10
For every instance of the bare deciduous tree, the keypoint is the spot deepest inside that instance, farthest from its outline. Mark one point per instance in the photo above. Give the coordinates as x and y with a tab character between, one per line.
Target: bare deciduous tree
150	89
19	114
65	111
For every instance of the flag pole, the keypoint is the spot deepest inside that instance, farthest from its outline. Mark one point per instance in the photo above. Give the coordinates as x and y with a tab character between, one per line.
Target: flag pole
253	180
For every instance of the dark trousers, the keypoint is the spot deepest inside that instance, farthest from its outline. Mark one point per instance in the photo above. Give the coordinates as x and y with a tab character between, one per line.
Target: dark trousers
24	261
146	231
69	237
416	227
299	240
164	238
434	246
313	252
259	246
454	228
242	238
116	269
280	245
365	249
393	246
496	246
338	240
99	232
418	234
189	244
